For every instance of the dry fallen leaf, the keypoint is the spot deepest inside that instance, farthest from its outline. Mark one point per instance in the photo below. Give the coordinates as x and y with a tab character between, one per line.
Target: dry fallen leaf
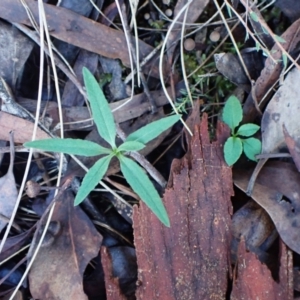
79	31
290	8
283	109
293	147
253	224
229	65
22	129
277	190
15	48
272	70
8	189
15	243
58	268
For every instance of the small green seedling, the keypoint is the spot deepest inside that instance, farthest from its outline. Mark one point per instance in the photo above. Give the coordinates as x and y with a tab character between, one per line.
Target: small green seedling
234	146
104	120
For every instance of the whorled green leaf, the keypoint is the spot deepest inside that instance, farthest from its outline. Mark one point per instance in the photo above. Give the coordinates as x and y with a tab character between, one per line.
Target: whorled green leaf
233	149
131	146
92	177
69	146
152	130
248	129
252	147
102	114
232	112
142	185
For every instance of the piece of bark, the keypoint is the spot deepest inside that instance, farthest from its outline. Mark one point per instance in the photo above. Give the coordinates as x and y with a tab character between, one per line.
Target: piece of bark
113	291
189	260
68	247
254	280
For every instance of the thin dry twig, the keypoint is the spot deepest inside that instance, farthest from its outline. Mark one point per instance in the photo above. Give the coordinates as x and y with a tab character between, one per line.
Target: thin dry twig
182	59
135	58
233	40
161	73
43	27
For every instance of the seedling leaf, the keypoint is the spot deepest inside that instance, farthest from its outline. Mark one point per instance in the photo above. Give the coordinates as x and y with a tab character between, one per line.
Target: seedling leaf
142	185
257	46
233	149
69	146
279	39
254	16
229	10
131	146
252	147
248	129
265	31
102	114
232	112
152	130
92	177
284	60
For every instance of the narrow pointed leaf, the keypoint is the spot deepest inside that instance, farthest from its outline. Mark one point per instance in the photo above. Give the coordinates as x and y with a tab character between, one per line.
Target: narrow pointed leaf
69	146
92	177
142	185
232	112
252	147
102	114
233	149
248	129
131	146
152	130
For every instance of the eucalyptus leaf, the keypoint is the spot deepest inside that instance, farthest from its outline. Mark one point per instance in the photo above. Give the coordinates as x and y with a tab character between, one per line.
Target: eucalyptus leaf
102	114
92	178
252	147
152	130
232	112
233	149
69	146
248	129
142	185
131	146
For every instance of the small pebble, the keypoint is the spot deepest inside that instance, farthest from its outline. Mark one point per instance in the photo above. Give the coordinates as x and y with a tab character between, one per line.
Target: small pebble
166	2
146	16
